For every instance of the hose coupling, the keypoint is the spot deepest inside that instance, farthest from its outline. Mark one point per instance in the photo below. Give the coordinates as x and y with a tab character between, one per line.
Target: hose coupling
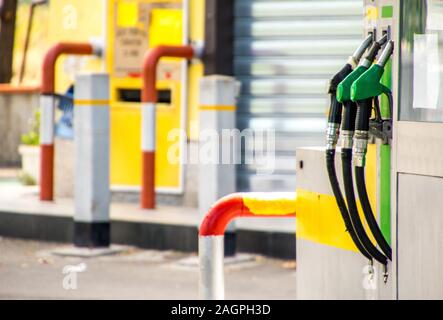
360	146
365	63
352	62
332	134
346	139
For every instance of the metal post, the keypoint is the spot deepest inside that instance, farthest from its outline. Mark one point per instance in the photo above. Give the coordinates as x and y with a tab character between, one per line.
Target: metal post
91	139
217	117
212	283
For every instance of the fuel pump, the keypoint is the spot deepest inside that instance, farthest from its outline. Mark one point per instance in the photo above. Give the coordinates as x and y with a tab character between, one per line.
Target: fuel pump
347	128
340	94
365	91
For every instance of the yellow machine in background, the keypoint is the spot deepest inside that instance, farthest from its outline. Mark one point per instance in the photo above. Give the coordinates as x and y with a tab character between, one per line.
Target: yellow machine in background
128	28
133	27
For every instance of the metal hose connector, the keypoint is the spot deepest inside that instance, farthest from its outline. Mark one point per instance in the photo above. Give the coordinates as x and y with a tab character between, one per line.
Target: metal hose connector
360	147
365	63
332	134
346	139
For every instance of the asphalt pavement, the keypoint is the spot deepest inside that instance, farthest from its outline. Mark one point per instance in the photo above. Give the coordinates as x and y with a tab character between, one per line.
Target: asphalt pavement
30	270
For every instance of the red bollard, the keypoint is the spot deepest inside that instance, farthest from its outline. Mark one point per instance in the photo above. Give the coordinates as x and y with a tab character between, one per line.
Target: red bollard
47	110
149	100
212	229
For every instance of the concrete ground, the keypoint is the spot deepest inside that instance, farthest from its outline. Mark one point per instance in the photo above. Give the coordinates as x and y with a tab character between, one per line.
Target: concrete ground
17	198
28	270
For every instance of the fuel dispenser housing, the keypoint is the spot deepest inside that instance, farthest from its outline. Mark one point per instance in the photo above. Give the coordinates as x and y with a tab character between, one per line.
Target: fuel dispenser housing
341	272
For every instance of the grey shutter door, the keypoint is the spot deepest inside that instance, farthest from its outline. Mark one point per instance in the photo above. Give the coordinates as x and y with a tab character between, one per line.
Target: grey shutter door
285	53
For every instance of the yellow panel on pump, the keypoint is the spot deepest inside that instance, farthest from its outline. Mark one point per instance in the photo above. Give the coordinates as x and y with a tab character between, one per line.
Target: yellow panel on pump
319	219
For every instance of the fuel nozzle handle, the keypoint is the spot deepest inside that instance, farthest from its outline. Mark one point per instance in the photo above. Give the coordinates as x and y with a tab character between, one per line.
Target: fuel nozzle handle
350	65
344	88
358	53
386	54
373	51
335	110
363	91
368	84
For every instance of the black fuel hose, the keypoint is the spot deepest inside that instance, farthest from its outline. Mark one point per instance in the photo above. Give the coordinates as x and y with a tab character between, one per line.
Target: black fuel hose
335	110
362	124
373	226
334	120
353	211
348	124
330	164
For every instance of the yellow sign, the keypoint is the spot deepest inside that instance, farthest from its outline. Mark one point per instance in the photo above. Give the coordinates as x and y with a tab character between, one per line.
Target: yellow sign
127	14
371	12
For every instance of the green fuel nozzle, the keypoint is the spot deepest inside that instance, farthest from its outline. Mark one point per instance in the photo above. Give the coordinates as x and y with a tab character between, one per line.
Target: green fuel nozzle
364	91
335	110
344	87
368	84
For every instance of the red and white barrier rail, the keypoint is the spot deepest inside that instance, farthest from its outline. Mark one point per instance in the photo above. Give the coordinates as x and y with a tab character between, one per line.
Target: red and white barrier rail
149	100
211	233
47	111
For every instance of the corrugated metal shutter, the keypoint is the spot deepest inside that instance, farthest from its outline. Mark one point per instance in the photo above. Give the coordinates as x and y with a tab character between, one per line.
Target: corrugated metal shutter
285	52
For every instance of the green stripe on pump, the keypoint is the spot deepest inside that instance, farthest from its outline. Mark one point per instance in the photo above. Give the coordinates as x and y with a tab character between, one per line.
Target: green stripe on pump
385	191
387	11
385	162
386	80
